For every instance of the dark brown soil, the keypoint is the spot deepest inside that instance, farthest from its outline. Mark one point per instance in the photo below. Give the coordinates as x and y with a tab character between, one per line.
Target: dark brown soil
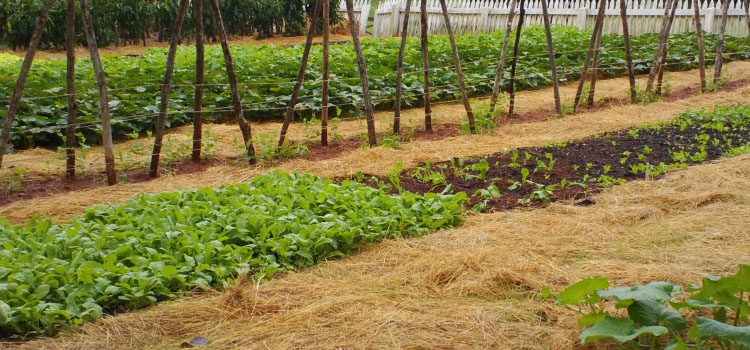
584	166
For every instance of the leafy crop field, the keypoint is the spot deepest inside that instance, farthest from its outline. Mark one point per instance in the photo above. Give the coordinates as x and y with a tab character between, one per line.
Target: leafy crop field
129	256
135	81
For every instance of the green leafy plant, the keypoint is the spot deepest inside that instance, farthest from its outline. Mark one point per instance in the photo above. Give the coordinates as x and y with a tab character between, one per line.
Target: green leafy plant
648	316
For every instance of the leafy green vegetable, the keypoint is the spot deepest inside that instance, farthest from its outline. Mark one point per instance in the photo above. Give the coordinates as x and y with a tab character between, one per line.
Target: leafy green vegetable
135	254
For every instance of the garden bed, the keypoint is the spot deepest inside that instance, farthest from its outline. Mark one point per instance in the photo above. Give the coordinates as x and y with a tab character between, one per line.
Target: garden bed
573	170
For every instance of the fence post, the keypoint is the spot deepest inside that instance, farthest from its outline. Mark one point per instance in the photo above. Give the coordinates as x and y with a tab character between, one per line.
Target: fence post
582	17
394	18
364	17
709	20
484	15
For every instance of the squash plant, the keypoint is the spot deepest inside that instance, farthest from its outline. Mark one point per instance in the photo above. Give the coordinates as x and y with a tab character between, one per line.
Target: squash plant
653	316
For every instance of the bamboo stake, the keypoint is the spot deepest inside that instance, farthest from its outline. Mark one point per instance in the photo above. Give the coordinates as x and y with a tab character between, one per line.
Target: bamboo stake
514	60
165	87
592	43
362	75
247	135
15	100
459	70
302	70
663	36
553	64
501	65
324	111
628	51
720	42
200	61
70	129
109	151
400	70
595	64
425	41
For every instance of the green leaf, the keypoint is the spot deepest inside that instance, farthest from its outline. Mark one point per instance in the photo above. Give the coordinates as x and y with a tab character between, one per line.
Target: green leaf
589	319
578	292
618	329
657	291
676	344
654	313
722	331
4	313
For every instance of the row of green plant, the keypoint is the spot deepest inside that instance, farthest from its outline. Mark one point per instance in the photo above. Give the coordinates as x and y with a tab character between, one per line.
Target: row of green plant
534	176
267	75
662	315
123	22
129	256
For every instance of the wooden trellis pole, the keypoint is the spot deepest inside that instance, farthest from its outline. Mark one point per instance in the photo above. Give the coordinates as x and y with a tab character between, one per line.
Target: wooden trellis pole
200	61
501	65
236	98
701	45
302	70
326	84
15	100
720	42
514	60
747	14
666	25
369	113
553	64
165	87
70	129
109	153
459	70
595	64
628	51
425	42
592	43
662	67
400	70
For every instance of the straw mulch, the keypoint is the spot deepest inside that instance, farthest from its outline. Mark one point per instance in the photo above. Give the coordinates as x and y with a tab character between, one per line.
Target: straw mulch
474	287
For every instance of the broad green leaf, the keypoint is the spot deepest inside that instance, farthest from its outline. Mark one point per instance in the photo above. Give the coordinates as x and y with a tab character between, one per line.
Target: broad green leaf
619	329
736	334
579	291
654	313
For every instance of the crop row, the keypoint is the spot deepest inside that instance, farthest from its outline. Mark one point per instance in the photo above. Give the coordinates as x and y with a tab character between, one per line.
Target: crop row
569	170
267	75
130	256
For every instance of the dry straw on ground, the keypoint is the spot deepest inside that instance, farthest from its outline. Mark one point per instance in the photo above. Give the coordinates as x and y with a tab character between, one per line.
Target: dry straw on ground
381	160
474	287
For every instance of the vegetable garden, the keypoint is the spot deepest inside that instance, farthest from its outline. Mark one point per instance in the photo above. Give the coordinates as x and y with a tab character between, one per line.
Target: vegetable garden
307	247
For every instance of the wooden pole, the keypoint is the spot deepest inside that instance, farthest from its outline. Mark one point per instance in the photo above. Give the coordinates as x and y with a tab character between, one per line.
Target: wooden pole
514	60
664	34
425	42
459	70
400	69
200	61
592	43
326	84
720	42
662	67
362	75
628	51
701	45
165	87
552	62
109	148
15	100
501	65
747	15
70	129
595	64
302	70
247	135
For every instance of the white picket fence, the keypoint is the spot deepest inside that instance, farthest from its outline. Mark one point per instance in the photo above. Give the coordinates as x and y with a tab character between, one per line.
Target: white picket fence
473	16
361	14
